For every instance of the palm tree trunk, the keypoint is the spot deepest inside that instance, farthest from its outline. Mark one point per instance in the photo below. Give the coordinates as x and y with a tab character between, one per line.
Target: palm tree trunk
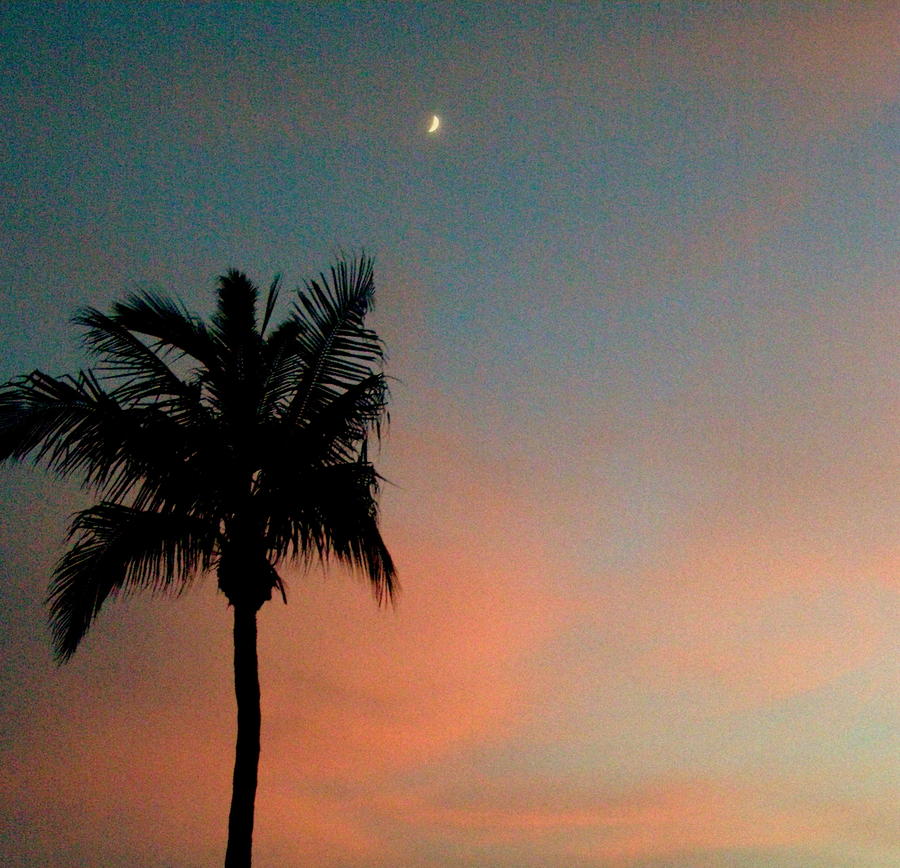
246	754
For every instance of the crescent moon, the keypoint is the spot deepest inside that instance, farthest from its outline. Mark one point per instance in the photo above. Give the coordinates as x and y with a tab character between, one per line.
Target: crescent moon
435	123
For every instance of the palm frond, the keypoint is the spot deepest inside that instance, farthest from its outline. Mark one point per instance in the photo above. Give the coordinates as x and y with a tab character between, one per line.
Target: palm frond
351	417
234	322
332	512
120	549
234	382
271	301
74	427
336	348
283	364
169	323
65	421
337	433
140	373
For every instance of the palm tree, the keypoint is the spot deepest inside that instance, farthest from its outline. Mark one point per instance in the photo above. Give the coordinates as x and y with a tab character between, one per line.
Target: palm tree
223	446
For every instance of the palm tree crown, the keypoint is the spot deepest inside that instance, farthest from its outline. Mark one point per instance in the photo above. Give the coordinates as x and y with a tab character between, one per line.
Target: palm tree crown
227	446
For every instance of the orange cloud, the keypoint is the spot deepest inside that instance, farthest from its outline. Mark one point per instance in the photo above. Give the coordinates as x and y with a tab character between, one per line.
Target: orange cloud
664	818
441	670
696	817
319	829
780	647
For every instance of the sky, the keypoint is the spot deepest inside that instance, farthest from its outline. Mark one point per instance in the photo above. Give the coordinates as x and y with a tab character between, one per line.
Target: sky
639	296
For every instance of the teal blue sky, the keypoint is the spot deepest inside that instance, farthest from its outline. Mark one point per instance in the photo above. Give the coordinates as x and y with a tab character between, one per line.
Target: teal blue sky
639	294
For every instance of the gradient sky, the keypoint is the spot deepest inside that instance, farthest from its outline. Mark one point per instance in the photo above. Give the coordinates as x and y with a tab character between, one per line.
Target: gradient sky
640	301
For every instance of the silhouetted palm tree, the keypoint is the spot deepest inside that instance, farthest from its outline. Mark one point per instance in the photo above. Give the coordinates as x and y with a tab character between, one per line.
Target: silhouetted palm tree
224	446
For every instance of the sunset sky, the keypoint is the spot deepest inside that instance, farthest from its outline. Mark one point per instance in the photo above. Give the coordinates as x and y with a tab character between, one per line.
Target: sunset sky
640	300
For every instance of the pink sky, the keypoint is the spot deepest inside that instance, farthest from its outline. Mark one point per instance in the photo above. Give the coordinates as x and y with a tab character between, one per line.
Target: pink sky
640	301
